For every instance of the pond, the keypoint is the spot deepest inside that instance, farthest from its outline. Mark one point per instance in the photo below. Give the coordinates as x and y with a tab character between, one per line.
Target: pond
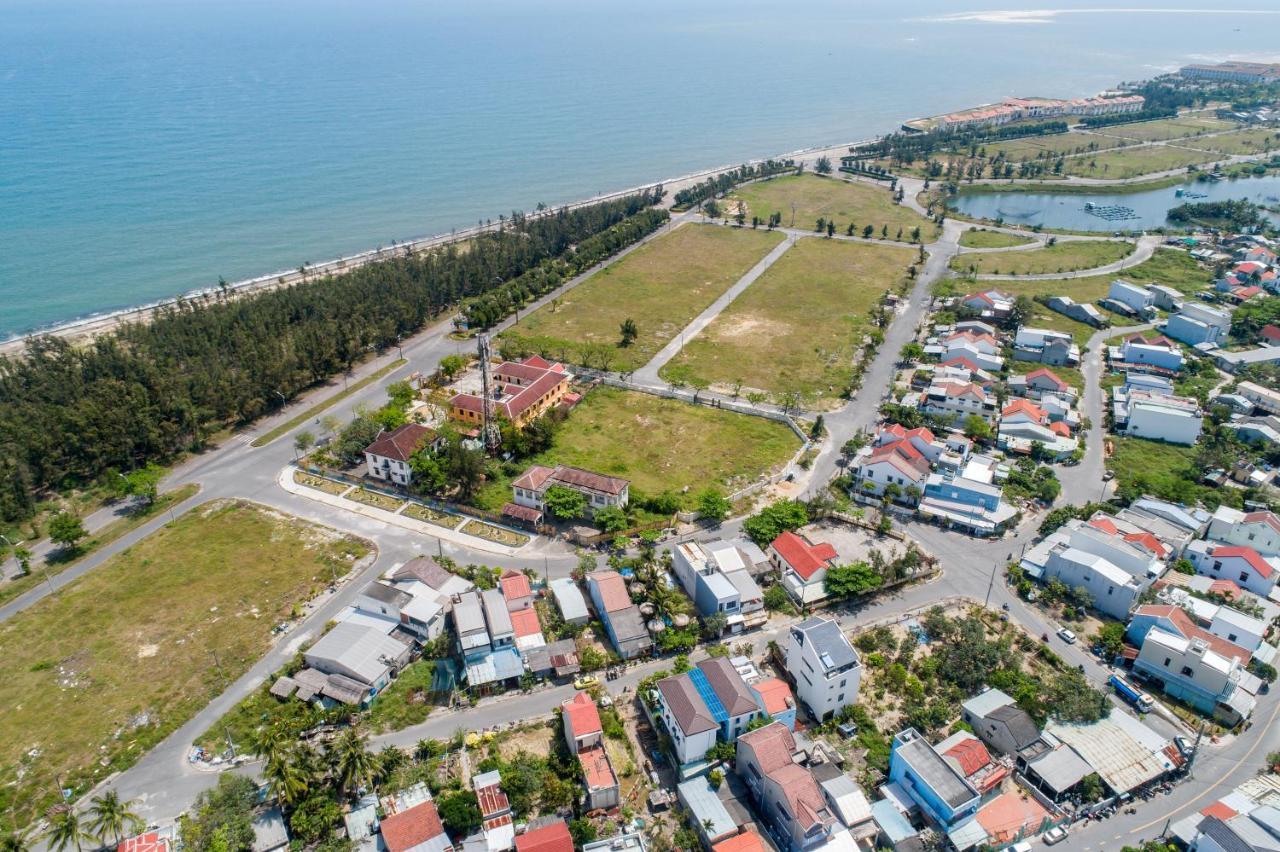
1136	211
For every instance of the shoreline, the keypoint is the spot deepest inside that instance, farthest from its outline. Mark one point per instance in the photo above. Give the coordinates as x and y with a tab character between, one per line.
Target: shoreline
103	323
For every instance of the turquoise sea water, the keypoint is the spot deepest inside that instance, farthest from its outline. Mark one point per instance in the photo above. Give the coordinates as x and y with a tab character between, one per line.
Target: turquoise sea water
148	147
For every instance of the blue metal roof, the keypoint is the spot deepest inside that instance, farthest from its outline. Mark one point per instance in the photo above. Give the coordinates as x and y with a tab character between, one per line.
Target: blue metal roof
708	695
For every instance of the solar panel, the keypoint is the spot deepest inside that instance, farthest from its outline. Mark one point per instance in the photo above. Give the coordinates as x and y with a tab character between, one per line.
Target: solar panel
708	695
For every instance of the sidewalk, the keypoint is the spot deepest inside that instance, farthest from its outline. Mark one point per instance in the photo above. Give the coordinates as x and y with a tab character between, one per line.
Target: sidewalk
467	542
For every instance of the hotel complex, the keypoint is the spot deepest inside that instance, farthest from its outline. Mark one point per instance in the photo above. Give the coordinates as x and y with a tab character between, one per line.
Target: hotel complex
1017	109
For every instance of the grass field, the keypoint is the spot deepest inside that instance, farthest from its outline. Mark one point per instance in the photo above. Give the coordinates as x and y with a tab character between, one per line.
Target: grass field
1133	162
982	238
799	326
1061	257
1033	147
1042	317
831	198
1257	141
660	445
94	676
1166	471
661	286
1163	129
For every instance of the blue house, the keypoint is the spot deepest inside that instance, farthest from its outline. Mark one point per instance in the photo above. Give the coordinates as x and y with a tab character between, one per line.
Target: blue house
945	797
960	489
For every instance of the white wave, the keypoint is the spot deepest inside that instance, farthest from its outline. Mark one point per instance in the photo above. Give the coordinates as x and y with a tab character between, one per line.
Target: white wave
1047	16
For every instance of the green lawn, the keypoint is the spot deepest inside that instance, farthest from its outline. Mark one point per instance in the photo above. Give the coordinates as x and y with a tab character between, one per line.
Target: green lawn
1133	162
97	674
1256	141
982	238
1066	256
831	198
1182	127
1033	147
1163	470
798	328
660	445
661	286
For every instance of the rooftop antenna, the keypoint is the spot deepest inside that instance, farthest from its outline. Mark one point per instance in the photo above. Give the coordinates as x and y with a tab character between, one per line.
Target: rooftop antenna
490	433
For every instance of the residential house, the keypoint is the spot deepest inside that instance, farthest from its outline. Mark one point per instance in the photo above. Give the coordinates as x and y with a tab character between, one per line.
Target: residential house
603	791
388	456
1045	346
898	464
1085	313
969	758
522	392
999	722
1061	409
412	606
968	499
777	700
786	794
486	639
921	439
1192	672
1241	564
530	488
1039	382
362	658
1233	361
1138	299
850	806
709	702
1257	430
1146	354
1270	335
632	842
148	841
1165	298
1198	323
824	666
701	570
956	401
1175	620
747	841
516	590
1244	631
803	565
1156	416
527	629
1023	425
1124	753
622	619
980	350
1264	398
1113	571
944	796
569	600
992	304
708	815
496	820
416	829
552	837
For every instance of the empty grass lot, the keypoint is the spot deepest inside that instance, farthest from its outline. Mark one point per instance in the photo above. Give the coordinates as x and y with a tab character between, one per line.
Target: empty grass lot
1132	162
981	238
660	445
799	326
97	674
1167	471
832	198
661	286
1184	126
1257	141
1036	147
1061	257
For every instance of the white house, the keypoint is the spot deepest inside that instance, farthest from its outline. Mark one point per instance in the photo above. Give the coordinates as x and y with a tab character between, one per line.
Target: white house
581	721
1114	567
388	456
898	464
710	701
1113	591
920	438
825	667
1237	628
803	565
1264	398
1258	530
1191	671
956	401
1156	416
1137	298
1039	382
531	487
1046	346
1147	354
1242	565
994	304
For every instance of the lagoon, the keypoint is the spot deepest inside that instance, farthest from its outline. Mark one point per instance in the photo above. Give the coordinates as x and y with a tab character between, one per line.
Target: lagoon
1066	210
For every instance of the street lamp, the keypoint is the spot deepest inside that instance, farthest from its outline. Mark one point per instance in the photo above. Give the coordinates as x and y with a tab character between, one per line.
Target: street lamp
283	399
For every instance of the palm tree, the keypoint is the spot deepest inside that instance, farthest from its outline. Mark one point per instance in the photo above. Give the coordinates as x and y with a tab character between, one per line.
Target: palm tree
287	779
354	762
110	816
68	831
270	744
18	840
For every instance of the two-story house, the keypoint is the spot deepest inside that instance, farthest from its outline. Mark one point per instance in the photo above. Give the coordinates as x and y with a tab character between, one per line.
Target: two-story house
803	565
898	464
1242	565
1258	530
621	618
968	499
1192	672
581	721
786	795
584	736
957	401
824	665
388	456
709	702
1045	346
945	797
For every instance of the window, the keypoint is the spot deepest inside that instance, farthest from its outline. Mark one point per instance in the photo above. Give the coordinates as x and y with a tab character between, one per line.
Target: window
1244	576
1110	589
1186	672
1231	637
1167	661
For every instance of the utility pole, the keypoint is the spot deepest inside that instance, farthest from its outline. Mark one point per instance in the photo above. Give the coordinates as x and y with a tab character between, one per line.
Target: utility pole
991	584
1195	749
491	434
226	733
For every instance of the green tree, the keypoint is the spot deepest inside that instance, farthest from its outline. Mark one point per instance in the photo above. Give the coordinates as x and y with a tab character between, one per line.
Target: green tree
451	366
23	555
221	820
143	484
565	503
111	818
611	519
315	818
770	522
721	751
66	529
977	428
17	840
628	331
823	166
911	352
354	761
712	504
847	581
400	394
430	474
1091	789
713	625
776	599
1110	638
460	812
287	778
67	830
583	831
463	466
303	441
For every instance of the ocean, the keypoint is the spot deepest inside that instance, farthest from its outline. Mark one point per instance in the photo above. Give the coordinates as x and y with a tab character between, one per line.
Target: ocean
151	147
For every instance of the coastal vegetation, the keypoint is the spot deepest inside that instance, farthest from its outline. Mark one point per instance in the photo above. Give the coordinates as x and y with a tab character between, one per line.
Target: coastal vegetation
95	676
799	327
660	287
664	446
714	187
1063	256
803	199
69	413
1232	215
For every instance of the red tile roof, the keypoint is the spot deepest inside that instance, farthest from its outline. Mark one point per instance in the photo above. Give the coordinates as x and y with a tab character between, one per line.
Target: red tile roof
596	769
533	478
961	361
1046	373
1060	428
776	695
1226	588
805	558
410	828
525	622
1221	810
1149	541
1270	332
1104	524
149	842
515	586
773	746
1260	566
1025	406
584	718
400	443
747	841
970	754
550	838
1190	630
1268	518
613	590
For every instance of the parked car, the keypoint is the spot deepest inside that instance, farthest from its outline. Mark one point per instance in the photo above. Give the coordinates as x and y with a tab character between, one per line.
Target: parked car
1067	636
585	681
1057	834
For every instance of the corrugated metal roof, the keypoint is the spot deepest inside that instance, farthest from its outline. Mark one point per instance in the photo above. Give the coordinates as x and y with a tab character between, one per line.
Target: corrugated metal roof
1121	761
